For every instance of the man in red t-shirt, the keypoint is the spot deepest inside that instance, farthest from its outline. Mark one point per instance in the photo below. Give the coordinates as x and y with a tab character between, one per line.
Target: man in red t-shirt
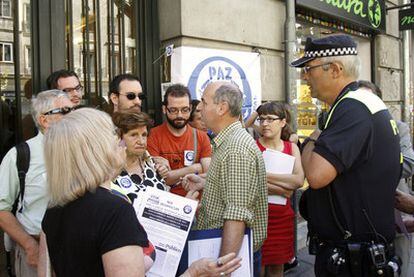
174	139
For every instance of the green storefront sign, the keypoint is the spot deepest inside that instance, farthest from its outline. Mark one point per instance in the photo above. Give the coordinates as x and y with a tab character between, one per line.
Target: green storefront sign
406	19
367	14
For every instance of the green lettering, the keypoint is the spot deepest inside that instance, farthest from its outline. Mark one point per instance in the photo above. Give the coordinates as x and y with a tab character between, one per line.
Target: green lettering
359	9
347	5
394	127
351	6
408	19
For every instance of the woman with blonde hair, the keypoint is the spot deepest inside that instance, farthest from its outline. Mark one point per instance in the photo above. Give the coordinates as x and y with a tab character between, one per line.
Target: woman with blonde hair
87	230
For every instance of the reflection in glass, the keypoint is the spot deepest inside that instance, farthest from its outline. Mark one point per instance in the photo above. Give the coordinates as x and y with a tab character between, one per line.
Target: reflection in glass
11	128
101	44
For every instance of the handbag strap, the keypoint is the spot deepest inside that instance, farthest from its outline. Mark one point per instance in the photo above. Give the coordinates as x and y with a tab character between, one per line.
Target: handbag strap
195	143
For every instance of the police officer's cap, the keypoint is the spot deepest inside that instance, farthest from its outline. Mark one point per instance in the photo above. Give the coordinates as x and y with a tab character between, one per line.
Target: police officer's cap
336	45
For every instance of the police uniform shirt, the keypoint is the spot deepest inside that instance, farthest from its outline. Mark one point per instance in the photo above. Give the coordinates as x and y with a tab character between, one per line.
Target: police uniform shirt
361	141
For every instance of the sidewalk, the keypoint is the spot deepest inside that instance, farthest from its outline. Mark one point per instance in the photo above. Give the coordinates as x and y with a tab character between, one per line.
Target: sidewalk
306	261
305	267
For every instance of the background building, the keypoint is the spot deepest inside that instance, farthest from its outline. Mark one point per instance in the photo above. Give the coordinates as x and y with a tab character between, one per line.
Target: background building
101	38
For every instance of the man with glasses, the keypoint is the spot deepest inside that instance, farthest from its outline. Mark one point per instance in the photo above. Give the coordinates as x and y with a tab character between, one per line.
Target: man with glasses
353	166
67	81
125	92
187	149
24	227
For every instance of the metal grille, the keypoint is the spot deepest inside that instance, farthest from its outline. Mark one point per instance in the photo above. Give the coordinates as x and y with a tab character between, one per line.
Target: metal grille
101	43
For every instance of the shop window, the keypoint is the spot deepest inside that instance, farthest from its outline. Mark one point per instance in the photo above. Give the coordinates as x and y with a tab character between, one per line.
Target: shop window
100	42
5	8
16	123
311	113
6	52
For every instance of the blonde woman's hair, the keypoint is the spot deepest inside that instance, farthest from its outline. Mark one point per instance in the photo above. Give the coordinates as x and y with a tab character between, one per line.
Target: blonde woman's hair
81	153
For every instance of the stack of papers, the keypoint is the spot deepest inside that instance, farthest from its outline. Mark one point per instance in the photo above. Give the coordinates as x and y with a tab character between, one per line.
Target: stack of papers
277	162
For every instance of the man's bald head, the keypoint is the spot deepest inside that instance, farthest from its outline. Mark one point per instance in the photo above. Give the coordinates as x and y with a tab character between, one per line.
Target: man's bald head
223	91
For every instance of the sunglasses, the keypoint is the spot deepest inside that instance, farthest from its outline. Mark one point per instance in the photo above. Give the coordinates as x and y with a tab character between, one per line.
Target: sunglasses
132	96
64	110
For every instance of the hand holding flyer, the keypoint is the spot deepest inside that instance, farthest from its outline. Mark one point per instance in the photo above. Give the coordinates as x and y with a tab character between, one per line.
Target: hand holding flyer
167	219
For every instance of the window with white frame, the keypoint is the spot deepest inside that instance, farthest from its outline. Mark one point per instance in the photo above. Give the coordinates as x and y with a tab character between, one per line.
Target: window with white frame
6	52
5	8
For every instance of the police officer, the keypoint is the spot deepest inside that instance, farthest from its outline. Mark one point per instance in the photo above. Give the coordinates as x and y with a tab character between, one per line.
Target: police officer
352	166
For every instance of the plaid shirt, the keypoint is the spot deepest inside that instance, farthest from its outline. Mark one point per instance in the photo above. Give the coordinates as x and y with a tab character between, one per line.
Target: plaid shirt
236	184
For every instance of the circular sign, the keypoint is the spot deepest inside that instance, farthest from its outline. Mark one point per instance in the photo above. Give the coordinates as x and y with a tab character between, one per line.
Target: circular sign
189	156
125	182
374	13
187	209
220	68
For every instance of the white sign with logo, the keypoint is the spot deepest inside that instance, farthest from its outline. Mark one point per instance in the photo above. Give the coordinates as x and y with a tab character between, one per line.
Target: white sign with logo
197	67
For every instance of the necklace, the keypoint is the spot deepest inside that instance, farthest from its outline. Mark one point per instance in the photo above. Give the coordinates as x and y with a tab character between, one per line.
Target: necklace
135	167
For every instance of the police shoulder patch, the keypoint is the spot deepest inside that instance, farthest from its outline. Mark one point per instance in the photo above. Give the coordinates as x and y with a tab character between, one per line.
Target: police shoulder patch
369	99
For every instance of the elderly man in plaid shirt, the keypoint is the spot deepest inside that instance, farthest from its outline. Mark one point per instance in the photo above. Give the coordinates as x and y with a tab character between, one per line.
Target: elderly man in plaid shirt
235	194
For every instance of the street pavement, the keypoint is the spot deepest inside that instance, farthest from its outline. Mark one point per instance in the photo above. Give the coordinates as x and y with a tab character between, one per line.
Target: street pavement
305	266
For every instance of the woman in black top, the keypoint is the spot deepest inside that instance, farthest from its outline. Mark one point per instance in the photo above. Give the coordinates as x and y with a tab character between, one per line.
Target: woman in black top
87	230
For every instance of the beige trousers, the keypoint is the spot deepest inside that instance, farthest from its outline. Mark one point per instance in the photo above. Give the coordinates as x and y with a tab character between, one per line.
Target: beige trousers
20	265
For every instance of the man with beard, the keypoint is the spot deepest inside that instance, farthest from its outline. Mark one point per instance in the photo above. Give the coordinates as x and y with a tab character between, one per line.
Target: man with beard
187	149
125	92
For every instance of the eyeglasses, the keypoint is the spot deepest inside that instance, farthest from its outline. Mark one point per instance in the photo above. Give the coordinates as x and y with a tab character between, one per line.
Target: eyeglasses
306	69
174	111
268	119
64	110
131	96
78	88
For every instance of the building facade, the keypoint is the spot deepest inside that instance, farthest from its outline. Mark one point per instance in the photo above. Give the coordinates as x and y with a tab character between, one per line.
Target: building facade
101	38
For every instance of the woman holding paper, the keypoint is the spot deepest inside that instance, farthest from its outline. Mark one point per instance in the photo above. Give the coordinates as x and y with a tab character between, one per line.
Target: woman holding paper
87	230
278	247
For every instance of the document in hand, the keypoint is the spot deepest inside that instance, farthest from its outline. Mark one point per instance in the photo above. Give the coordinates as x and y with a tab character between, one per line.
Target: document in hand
278	163
207	243
167	219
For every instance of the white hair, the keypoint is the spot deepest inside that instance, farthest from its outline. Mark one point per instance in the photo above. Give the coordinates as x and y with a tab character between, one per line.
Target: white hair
44	102
351	64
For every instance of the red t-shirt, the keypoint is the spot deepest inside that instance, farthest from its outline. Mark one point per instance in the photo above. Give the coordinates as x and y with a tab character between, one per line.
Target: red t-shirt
179	151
